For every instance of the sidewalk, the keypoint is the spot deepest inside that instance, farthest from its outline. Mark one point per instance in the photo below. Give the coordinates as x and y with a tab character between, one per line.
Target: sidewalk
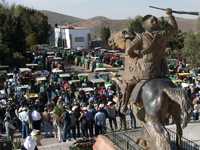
52	144
49	143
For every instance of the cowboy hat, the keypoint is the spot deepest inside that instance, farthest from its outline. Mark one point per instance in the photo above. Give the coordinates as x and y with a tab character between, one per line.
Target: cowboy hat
74	108
35	132
84	108
109	103
101	106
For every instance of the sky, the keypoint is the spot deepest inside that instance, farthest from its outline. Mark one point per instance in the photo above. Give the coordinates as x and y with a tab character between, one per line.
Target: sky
115	9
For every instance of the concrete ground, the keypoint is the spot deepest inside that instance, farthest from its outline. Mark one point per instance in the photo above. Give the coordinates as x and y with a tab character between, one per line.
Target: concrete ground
49	143
53	144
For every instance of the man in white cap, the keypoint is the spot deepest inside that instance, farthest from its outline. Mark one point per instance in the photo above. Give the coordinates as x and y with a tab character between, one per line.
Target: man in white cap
36	119
32	141
23	115
112	113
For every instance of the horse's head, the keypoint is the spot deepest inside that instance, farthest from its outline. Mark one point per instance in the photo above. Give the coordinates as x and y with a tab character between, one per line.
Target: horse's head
187	108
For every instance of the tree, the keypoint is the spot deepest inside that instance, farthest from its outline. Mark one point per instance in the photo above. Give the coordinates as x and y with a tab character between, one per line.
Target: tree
20	29
191	49
135	25
105	35
177	43
198	24
31	39
18	59
5	53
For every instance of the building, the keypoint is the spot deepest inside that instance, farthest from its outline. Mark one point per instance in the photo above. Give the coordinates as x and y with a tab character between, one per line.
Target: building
72	37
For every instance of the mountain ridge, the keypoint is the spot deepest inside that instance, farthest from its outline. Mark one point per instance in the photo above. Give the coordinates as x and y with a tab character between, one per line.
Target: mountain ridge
96	22
59	18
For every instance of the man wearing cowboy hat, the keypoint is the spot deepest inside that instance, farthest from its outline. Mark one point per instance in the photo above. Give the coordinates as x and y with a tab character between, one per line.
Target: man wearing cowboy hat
32	141
111	111
145	56
23	115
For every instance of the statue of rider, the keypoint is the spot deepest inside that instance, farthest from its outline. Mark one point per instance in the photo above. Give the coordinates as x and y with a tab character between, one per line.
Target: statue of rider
145	57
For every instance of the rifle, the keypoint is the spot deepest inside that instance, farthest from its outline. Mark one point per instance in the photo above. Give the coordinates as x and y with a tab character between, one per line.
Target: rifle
177	12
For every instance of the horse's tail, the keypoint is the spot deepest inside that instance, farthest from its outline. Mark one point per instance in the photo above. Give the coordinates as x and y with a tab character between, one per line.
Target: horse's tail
180	96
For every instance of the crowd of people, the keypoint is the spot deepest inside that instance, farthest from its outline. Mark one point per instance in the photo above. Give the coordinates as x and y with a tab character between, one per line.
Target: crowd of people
187	77
45	97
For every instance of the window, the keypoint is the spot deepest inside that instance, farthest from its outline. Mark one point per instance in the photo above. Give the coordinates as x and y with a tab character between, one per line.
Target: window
79	39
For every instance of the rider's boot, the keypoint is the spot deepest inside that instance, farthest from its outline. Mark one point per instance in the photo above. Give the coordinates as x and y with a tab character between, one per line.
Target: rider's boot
127	93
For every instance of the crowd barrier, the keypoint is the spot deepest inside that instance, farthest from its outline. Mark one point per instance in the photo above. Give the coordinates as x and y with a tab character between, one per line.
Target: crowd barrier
124	140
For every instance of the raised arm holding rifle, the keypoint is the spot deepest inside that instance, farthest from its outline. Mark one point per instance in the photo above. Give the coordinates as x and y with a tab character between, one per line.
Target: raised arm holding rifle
145	55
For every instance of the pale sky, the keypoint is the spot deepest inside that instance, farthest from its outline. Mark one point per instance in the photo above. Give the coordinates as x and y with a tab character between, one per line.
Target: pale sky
115	9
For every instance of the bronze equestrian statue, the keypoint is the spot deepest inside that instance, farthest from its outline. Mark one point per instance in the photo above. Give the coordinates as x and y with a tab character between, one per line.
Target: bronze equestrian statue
162	100
145	55
146	86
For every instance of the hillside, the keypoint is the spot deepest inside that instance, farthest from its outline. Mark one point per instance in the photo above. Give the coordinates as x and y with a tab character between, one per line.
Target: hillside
95	23
54	17
187	25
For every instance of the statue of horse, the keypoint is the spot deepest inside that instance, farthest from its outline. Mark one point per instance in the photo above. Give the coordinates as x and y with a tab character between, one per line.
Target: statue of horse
161	99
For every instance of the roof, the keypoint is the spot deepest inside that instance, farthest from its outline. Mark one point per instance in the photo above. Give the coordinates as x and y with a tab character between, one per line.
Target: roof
63	75
87	89
24	69
57	58
100	69
50	53
10	74
4	67
23	87
30	65
41	78
83	74
72	27
56	70
74	81
104	73
97	80
184	74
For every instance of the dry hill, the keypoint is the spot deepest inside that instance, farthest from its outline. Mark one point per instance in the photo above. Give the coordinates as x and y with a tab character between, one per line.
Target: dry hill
115	25
57	18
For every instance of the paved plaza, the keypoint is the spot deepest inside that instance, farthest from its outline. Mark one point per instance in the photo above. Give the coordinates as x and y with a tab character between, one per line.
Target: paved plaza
191	132
52	144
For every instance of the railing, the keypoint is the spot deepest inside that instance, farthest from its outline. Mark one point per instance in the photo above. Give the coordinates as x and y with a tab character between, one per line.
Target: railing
186	144
125	140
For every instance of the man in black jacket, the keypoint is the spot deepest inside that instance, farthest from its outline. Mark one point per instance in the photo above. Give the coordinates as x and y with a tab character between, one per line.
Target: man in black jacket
67	125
